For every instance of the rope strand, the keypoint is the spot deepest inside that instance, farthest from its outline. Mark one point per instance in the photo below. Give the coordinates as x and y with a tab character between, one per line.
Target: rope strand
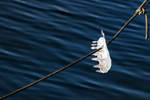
74	62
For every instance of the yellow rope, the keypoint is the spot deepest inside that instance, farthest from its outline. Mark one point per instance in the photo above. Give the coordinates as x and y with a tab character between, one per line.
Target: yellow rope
146	26
141	11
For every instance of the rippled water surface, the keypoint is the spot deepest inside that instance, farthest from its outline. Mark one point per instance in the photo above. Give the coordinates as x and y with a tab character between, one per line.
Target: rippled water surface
40	36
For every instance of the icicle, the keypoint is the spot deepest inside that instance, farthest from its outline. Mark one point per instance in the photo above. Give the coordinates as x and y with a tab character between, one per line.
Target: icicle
102	56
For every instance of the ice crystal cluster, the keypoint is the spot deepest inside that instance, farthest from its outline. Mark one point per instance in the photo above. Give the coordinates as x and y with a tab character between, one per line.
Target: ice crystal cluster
102	56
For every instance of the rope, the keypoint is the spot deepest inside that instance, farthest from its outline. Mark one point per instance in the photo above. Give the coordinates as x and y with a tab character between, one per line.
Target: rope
146	26
141	11
74	62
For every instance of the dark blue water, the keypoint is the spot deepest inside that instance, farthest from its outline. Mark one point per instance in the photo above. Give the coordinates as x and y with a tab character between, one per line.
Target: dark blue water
40	36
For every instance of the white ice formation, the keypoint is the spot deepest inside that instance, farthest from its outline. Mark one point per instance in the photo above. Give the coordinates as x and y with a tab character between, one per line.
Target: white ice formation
102	56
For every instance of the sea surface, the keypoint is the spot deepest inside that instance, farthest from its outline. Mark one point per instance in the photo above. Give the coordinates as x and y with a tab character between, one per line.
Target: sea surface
38	37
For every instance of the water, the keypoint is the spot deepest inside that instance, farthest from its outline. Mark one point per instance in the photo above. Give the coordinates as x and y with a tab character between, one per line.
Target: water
38	37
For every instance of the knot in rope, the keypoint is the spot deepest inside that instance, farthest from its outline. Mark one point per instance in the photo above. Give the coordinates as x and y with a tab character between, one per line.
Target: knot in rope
140	11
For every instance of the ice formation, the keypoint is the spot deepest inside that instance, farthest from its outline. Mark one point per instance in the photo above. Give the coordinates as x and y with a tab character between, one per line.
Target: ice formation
102	56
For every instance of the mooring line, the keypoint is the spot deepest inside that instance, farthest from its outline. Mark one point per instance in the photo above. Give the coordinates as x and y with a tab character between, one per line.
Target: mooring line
76	61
